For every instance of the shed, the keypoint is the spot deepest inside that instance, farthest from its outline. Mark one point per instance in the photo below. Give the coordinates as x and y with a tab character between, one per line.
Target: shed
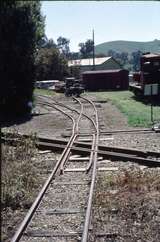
106	80
102	63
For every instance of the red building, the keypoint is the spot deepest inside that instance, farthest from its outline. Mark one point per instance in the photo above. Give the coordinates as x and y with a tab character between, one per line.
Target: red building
106	80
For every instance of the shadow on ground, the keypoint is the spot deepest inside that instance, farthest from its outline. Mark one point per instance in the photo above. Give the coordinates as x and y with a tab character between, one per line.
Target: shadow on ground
7	121
155	101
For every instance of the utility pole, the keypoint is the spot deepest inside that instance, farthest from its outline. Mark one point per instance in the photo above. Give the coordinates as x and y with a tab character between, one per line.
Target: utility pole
93	52
151	105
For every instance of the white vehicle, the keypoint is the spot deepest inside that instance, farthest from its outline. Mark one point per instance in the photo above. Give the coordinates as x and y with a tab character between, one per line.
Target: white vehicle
47	84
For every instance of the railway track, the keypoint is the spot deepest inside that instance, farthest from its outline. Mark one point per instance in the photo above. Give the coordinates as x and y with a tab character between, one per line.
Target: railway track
62	209
147	158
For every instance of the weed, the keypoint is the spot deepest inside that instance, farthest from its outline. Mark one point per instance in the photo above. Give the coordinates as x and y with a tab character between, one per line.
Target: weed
133	208
18	172
137	112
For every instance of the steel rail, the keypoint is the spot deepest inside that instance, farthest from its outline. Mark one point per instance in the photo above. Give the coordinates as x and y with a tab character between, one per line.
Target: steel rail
90	119
113	153
89	205
66	106
93	159
76	130
82	108
37	201
115	156
7	136
91	156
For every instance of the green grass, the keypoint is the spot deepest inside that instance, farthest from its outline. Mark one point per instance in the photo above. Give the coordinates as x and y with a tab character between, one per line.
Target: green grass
138	113
44	92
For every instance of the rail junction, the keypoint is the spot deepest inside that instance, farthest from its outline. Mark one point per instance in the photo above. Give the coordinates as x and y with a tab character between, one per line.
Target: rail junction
62	210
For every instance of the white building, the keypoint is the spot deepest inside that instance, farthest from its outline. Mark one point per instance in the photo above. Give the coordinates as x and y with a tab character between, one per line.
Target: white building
102	63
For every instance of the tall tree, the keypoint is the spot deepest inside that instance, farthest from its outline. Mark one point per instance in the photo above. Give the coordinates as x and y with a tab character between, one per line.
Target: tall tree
135	60
47	43
124	57
63	45
86	48
21	30
50	64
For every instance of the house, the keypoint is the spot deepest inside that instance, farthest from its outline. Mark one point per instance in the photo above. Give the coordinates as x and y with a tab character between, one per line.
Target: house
102	63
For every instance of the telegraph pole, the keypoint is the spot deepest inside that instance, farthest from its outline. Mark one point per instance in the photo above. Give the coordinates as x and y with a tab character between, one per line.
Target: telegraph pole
93	52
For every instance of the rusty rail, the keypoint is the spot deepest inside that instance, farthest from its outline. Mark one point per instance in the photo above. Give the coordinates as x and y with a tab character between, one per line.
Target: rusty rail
94	155
37	201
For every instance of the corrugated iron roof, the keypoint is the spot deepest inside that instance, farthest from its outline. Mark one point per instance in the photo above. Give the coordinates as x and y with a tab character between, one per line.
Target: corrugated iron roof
89	61
103	71
151	55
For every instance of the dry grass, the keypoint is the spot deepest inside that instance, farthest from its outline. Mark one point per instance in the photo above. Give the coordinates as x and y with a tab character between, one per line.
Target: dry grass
18	173
24	171
128	203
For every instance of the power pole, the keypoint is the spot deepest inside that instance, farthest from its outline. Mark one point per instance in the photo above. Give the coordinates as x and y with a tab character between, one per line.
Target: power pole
93	52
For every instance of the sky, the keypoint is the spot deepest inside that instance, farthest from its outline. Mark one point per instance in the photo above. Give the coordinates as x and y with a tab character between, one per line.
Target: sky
111	20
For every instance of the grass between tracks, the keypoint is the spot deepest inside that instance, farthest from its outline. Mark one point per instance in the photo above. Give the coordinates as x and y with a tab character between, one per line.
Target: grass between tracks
137	112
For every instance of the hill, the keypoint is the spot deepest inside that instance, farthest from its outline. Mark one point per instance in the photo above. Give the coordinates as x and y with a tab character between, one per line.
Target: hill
128	46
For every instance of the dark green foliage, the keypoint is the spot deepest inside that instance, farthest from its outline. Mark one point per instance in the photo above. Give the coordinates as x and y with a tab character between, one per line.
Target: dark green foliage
50	64
86	48
135	60
47	43
122	57
74	55
63	45
21	30
75	71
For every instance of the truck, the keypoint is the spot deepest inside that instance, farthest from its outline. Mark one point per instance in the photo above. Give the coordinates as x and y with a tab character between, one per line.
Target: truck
73	87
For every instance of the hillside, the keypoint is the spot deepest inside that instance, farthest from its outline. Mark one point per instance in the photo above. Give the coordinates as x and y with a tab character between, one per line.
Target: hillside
128	46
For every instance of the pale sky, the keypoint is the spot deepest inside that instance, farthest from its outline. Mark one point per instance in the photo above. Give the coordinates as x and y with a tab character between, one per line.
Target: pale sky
111	20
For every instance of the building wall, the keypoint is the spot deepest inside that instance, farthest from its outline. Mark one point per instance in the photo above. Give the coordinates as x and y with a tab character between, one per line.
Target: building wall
109	80
109	65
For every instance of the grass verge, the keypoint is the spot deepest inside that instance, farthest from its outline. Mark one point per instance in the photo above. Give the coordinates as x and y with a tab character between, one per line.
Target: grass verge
47	92
137	112
19	176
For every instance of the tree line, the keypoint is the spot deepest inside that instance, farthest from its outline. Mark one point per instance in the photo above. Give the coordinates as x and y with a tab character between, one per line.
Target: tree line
21	31
28	55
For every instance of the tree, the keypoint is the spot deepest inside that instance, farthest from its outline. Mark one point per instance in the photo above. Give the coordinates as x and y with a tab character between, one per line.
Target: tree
63	45
124	58
75	71
86	48
50	64
83	50
47	43
21	30
111	53
74	55
135	60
